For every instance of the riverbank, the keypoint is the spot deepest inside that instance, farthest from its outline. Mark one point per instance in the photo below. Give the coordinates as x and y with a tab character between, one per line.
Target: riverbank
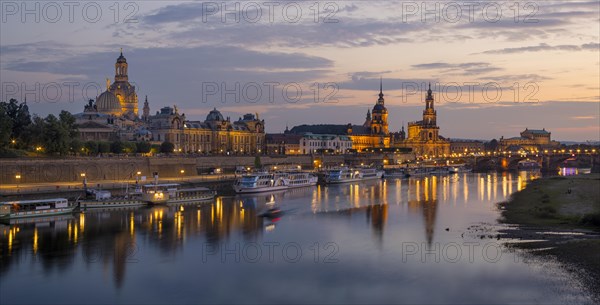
559	216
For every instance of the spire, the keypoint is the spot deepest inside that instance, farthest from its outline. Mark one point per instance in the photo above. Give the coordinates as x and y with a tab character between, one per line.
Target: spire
429	99
121	51
380	100
146	110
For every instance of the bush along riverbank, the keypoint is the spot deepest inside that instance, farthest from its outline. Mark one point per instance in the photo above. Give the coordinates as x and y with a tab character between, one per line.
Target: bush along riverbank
561	218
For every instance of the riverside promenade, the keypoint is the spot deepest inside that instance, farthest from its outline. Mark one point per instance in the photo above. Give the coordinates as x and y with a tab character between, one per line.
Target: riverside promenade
12	190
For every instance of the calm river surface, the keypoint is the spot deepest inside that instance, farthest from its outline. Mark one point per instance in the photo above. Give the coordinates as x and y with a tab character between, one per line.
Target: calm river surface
422	240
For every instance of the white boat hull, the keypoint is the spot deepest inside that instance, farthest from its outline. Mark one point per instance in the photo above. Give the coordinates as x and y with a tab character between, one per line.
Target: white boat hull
38	213
378	176
191	199
111	204
242	190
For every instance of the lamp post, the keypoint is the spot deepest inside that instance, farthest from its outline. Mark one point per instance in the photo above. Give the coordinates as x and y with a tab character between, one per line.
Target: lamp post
82	175
182	172
18	177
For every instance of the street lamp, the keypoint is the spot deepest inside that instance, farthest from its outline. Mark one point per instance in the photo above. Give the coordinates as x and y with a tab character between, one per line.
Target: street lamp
18	177
82	175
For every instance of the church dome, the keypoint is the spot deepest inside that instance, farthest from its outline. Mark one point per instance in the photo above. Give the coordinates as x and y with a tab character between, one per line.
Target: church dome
121	58
379	108
108	103
215	115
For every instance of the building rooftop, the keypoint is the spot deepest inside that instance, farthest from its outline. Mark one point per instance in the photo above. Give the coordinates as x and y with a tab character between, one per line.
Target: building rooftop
536	131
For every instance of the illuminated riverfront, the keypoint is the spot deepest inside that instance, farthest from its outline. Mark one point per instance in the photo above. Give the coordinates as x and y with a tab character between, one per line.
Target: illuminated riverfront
300	152
377	223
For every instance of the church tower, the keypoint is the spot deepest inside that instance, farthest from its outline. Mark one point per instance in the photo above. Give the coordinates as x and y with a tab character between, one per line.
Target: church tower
123	90
379	123
429	114
146	110
367	122
121	69
430	130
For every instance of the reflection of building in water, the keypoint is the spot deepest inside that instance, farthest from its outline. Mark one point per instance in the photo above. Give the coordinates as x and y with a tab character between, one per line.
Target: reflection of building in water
426	203
377	216
429	210
109	237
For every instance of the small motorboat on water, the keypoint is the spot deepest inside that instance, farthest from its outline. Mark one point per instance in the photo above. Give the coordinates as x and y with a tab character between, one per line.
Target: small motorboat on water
271	213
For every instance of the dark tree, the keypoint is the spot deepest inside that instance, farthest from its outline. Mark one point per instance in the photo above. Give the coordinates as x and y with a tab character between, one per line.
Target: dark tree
91	147
117	147
167	147
67	120
20	120
143	147
56	137
129	147
77	146
6	124
103	147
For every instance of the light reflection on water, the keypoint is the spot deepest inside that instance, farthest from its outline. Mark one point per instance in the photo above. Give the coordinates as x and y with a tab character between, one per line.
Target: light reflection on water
390	241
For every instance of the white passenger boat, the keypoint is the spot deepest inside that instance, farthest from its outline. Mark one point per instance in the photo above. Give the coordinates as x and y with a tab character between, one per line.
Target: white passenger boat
191	195
171	193
104	199
265	182
301	179
344	174
35	208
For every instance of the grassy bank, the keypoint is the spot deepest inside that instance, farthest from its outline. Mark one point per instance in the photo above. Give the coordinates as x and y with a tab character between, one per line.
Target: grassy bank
566	205
563	202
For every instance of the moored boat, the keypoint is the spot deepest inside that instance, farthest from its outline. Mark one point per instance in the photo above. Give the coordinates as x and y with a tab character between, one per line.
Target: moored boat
35	208
345	174
104	199
171	193
275	181
191	195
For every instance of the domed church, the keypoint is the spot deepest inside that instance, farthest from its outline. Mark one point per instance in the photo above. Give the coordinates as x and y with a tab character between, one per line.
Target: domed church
121	89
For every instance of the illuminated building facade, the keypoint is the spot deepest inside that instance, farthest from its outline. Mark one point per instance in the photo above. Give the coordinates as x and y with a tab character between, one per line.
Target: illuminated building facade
530	140
114	116
424	135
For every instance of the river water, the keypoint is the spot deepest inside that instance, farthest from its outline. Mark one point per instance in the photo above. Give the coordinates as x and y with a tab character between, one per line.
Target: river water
426	240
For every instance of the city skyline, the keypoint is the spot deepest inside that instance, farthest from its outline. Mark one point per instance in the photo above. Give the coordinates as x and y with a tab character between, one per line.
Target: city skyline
176	48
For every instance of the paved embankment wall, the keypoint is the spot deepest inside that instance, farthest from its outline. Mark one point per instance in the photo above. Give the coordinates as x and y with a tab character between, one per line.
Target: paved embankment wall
44	170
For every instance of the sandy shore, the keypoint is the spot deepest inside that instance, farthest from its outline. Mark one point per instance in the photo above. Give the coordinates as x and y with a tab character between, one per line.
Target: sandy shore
562	214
